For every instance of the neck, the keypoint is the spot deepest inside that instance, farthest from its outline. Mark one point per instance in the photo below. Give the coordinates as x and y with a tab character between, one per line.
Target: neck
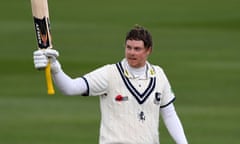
139	71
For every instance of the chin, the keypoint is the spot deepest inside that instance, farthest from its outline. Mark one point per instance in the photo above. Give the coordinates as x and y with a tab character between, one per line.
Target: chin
134	65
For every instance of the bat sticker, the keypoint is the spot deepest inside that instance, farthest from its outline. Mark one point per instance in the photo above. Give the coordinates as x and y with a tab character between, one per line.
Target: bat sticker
41	26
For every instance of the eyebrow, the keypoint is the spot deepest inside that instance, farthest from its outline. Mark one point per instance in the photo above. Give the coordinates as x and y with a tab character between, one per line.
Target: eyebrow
136	48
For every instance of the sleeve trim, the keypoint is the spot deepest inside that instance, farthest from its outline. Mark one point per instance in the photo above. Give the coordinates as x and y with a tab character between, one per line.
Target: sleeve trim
168	103
87	93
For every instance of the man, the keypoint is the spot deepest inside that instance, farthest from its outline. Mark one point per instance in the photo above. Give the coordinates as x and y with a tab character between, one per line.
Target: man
133	93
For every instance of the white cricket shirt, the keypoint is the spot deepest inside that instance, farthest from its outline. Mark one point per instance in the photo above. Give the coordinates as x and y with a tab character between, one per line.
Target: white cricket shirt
130	106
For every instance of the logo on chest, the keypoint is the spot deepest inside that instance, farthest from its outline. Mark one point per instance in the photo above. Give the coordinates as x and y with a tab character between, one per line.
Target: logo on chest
120	98
157	98
142	116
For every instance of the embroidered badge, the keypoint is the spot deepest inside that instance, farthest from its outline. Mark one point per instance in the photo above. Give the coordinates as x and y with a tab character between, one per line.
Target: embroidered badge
157	98
152	72
141	116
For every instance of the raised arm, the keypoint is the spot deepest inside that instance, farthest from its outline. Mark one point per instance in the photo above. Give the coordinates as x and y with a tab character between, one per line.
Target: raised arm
65	84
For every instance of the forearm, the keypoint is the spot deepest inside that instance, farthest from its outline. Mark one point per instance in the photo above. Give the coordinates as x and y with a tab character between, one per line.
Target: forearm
173	124
66	84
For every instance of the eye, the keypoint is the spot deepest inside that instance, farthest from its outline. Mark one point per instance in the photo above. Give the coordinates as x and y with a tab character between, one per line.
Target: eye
128	47
137	49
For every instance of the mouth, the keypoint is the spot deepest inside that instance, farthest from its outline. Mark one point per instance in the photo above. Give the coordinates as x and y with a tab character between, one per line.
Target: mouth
132	59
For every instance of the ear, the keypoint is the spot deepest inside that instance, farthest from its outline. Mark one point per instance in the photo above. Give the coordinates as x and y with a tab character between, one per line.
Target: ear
149	50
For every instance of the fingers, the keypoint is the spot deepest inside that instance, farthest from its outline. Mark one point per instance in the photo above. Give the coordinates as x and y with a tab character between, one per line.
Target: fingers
40	60
43	56
47	52
52	53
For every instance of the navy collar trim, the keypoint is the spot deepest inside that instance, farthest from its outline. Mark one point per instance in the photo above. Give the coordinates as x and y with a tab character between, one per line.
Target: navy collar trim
140	97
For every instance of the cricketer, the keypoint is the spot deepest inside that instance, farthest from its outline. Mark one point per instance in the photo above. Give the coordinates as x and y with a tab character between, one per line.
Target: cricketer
133	93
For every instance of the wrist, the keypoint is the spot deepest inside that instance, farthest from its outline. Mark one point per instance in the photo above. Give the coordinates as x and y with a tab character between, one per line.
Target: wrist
55	66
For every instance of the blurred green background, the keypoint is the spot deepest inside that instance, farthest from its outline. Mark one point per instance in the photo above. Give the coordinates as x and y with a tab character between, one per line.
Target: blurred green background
195	41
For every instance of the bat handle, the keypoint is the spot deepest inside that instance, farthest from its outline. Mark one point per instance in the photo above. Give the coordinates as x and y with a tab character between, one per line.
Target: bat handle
50	89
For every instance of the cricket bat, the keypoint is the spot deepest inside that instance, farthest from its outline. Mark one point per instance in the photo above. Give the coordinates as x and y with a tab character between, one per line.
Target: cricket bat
41	19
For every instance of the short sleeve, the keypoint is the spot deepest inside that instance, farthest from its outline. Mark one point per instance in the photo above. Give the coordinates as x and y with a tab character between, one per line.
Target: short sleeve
97	81
167	94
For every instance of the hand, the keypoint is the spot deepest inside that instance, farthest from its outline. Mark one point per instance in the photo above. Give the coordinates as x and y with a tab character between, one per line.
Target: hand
43	56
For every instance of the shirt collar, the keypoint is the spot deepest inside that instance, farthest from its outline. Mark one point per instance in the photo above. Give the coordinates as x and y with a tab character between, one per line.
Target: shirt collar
149	73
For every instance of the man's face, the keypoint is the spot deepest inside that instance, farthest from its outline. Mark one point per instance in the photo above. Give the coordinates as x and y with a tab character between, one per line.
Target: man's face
135	53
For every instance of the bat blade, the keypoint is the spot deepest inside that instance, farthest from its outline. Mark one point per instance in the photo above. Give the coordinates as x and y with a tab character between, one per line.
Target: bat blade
41	19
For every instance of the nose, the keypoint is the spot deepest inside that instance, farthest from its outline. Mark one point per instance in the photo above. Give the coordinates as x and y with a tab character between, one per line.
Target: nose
130	51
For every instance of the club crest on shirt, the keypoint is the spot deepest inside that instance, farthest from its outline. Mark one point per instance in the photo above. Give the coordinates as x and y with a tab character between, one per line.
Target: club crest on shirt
157	98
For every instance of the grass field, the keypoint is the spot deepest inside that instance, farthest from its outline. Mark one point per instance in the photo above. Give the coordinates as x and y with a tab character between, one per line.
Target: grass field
196	42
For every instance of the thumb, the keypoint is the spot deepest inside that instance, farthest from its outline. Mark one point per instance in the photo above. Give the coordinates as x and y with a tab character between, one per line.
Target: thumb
52	53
